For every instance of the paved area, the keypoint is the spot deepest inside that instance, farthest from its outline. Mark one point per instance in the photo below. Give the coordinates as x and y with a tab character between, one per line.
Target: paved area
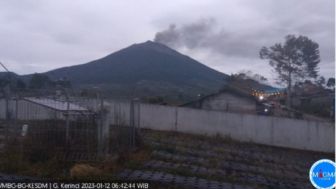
186	161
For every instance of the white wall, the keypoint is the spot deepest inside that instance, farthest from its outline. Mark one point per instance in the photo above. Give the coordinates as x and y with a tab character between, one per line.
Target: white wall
228	102
275	131
158	117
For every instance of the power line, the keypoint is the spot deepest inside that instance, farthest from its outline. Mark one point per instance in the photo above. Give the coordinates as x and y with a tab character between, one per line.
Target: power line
4	66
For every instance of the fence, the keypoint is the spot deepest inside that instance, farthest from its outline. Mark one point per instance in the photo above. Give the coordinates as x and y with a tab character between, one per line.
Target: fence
42	124
93	127
70	127
275	131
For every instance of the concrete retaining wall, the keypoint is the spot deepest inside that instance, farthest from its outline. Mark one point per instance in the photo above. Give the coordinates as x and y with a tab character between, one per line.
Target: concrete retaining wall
275	131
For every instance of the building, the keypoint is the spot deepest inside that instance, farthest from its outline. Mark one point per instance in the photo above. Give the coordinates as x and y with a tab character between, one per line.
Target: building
313	99
231	100
242	96
34	108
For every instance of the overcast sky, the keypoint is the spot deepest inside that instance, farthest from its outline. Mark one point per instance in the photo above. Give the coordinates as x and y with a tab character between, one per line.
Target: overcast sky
36	36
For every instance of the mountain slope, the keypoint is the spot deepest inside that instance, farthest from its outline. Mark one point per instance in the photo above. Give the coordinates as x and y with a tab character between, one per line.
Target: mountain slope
145	69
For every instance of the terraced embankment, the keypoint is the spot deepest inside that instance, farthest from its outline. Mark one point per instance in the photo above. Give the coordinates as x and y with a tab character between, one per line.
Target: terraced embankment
186	161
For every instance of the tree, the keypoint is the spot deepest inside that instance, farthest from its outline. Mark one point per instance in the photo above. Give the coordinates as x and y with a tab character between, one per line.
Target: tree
321	81
331	83
40	81
294	60
12	81
3	82
63	82
20	84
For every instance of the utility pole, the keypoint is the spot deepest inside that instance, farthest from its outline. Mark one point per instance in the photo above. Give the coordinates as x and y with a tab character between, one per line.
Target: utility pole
7	91
4	67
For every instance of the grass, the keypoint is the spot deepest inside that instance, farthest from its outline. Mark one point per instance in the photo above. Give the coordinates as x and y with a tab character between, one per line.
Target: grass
43	164
16	161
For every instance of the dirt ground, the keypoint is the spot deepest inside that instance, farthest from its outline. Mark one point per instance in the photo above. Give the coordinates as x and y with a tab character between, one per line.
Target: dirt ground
187	161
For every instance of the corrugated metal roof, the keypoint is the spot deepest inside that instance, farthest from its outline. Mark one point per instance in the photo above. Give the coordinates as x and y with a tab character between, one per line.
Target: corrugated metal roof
230	89
56	104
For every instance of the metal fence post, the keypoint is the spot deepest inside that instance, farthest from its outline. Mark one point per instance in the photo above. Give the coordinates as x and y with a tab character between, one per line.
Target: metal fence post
67	122
105	128
132	125
138	115
101	138
134	120
7	101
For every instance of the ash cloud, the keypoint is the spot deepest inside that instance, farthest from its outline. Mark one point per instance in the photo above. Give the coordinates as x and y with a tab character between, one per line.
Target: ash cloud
245	42
168	37
191	35
205	34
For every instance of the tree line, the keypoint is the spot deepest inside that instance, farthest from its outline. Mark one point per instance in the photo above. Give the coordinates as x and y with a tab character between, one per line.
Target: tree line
35	81
296	60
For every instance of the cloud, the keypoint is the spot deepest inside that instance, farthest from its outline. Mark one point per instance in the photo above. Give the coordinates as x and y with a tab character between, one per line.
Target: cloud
36	36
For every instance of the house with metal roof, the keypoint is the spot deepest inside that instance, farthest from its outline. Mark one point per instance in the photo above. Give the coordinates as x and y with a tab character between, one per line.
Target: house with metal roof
35	108
230	99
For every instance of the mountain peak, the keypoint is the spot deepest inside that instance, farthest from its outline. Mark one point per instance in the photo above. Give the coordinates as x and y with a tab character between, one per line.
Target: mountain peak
155	46
145	69
150	44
